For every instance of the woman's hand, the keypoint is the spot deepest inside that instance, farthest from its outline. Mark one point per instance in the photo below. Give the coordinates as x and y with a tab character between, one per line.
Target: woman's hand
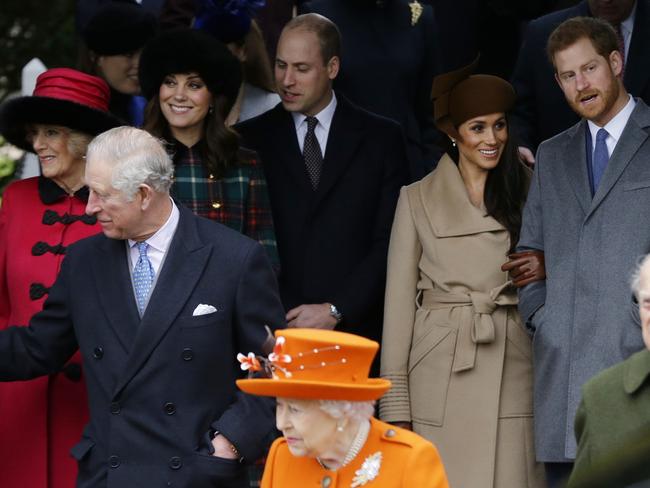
525	267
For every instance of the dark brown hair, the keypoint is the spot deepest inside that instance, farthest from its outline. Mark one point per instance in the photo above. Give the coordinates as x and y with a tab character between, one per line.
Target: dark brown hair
327	32
506	187
601	34
219	145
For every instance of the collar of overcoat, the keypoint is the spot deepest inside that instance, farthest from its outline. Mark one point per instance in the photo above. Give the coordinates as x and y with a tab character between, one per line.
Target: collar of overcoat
447	204
637	370
343	141
184	264
575	157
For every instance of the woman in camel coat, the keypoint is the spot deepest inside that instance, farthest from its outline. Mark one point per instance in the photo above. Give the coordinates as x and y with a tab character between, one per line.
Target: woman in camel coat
453	346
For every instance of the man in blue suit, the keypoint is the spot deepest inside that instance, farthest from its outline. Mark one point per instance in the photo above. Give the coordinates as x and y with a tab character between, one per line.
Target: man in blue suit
158	305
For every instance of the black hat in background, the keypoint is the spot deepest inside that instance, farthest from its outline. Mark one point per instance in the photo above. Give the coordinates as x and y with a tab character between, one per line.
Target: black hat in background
185	51
119	27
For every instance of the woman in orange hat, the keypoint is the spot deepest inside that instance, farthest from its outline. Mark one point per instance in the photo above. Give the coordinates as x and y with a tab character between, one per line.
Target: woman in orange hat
40	217
324	410
453	343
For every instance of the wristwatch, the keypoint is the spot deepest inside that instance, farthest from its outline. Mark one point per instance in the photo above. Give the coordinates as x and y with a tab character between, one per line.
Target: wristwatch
334	312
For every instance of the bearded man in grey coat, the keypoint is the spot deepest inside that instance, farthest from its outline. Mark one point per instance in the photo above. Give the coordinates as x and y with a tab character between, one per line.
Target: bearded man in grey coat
588	210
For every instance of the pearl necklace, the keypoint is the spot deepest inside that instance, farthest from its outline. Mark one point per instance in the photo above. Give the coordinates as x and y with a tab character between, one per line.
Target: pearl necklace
358	442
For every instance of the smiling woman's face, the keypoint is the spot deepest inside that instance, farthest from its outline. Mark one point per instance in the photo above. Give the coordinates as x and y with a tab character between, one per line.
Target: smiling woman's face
185	102
308	430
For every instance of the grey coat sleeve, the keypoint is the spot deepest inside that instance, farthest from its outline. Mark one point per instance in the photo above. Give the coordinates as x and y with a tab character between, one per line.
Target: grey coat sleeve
532	296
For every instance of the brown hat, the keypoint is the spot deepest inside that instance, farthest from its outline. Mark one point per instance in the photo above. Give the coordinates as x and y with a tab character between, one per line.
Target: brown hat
459	96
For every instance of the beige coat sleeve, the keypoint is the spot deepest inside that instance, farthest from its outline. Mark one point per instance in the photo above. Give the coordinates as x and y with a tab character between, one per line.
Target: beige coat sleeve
399	311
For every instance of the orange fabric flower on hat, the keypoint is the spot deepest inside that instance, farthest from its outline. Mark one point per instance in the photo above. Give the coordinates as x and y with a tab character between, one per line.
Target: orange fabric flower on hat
249	363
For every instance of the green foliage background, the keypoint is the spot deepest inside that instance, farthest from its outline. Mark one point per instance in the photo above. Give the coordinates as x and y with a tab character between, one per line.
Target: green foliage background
34	28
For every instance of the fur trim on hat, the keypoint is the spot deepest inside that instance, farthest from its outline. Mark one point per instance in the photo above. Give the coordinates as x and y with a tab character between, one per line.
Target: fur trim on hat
185	51
18	113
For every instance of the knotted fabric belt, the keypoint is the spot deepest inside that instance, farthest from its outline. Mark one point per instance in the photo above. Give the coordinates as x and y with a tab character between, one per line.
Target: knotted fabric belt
476	324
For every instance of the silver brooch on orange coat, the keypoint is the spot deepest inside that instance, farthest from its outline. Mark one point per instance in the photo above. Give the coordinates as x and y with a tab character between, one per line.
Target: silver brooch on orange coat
369	470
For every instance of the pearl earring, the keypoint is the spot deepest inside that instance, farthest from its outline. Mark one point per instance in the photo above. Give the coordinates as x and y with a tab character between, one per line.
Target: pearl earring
339	428
453	142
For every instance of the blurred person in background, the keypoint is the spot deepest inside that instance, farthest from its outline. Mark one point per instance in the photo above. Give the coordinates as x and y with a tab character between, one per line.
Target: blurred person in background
113	38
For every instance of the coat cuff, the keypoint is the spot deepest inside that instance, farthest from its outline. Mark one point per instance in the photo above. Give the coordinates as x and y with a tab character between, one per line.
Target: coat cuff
395	406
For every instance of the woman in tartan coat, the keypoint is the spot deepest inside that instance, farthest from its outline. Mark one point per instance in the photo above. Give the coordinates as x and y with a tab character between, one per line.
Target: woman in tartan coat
191	81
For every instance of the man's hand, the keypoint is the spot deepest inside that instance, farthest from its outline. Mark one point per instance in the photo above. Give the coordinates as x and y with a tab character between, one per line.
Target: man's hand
223	448
312	316
527	156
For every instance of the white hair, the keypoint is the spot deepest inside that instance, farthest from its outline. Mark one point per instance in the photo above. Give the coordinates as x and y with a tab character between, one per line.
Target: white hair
635	281
339	409
137	158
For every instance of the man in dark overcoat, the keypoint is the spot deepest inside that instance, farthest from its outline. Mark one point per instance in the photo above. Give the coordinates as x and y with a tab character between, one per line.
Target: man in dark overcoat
159	305
334	172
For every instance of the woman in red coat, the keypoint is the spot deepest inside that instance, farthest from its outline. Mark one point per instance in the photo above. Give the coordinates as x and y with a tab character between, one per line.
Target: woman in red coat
40	217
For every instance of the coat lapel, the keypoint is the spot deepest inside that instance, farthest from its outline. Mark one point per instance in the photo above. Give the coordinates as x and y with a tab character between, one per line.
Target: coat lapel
575	164
450	212
632	138
116	293
289	153
184	264
342	142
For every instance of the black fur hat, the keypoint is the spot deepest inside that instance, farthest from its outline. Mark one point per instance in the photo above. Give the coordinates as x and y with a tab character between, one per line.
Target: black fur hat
187	50
119	28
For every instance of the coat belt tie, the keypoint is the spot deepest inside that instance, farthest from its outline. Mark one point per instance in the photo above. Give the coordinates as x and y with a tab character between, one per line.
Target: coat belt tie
476	324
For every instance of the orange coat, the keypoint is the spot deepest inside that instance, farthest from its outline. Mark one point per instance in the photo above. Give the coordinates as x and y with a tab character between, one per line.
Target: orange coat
408	460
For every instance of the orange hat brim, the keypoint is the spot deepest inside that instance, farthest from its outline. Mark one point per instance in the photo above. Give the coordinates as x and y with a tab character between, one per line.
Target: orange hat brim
372	389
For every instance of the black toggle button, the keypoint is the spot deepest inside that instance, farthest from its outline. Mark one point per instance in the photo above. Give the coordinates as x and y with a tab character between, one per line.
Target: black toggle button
188	354
115	408
98	352
175	462
170	408
114	462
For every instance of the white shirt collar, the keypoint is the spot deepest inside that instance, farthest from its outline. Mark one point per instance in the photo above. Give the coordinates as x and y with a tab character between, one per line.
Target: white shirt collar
162	238
615	126
324	116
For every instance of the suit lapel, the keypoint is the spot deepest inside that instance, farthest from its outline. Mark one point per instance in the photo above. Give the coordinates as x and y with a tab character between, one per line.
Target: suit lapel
286	144
575	164
116	293
184	264
342	142
632	138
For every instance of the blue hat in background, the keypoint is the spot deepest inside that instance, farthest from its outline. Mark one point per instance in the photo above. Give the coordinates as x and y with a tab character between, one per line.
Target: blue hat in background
227	20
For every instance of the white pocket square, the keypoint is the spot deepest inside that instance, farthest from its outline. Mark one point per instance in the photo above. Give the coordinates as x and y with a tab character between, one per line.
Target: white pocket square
203	309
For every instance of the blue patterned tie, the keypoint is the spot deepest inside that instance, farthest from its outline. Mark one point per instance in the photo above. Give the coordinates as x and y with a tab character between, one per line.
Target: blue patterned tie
143	275
601	157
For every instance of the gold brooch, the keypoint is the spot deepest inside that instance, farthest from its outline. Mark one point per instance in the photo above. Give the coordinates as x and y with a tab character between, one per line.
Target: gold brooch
368	471
416	11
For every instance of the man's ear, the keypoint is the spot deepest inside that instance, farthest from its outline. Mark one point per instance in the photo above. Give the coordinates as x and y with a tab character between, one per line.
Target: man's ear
616	62
557	79
333	66
145	193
